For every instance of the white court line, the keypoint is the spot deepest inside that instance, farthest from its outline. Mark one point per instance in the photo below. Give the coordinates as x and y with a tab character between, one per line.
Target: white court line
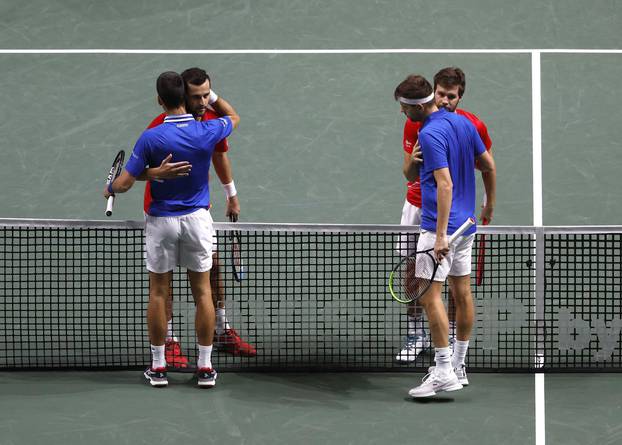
540	430
309	51
536	117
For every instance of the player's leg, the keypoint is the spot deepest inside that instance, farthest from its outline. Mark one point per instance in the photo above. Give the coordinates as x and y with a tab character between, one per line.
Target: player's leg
451	314
156	326
195	254
204	323
416	340
460	279
442	376
174	354
161	236
227	338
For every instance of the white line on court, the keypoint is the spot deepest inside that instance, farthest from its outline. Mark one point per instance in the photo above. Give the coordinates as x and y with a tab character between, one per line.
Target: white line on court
309	51
540	430
536	116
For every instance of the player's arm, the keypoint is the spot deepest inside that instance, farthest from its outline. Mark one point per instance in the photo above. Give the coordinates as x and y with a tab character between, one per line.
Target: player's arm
224	108
122	184
222	167
489	176
444	187
166	170
135	167
412	162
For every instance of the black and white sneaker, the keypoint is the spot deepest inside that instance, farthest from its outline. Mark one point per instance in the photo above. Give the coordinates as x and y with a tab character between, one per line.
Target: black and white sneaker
206	377
156	377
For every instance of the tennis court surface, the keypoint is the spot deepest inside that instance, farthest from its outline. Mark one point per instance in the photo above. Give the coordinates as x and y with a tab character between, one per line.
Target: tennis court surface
317	156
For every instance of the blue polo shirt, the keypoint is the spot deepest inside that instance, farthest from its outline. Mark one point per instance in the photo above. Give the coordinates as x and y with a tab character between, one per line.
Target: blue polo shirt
187	140
449	140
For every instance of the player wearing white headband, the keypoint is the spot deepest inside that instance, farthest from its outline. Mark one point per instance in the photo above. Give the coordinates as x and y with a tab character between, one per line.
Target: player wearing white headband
449	87
449	146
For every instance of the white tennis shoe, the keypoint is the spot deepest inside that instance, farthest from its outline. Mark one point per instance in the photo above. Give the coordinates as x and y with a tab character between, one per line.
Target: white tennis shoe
412	347
461	373
434	382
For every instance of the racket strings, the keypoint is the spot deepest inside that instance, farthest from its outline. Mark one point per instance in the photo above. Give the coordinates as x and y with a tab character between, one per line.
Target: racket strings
415	275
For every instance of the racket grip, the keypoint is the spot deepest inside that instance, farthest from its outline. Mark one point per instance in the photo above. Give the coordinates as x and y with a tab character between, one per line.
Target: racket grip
463	228
109	205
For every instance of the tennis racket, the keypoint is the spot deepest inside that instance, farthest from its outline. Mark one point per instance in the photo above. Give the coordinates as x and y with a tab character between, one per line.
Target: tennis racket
411	278
237	265
115	171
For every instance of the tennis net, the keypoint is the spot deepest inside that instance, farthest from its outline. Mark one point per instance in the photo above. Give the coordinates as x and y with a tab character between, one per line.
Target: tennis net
314	297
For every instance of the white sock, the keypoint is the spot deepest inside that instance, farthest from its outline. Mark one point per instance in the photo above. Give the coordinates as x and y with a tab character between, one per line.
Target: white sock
460	352
157	357
415	326
222	323
443	359
169	331
452	329
205	357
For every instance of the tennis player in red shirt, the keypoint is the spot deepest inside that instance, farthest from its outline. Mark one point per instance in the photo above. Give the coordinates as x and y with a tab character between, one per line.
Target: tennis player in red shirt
449	87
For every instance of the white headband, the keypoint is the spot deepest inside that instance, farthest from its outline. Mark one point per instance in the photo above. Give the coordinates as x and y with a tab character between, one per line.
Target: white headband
423	100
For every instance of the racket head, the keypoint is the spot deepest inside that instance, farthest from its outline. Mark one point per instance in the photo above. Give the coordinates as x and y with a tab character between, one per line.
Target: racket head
117	166
411	278
115	171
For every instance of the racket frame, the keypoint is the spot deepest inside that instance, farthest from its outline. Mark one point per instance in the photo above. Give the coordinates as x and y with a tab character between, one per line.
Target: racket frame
115	171
454	236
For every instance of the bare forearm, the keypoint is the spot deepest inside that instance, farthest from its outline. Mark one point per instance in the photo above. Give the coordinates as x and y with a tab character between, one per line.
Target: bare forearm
443	207
222	167
490	186
224	108
411	171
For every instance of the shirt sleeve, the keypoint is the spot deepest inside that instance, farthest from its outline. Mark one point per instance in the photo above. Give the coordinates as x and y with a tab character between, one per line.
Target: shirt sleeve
434	151
480	148
158	120
218	129
138	160
411	133
483	134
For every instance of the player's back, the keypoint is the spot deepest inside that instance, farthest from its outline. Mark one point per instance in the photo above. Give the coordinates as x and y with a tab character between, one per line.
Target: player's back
450	141
186	140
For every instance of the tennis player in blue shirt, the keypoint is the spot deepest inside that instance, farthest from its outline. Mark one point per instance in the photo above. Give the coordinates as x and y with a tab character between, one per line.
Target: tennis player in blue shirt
445	162
178	227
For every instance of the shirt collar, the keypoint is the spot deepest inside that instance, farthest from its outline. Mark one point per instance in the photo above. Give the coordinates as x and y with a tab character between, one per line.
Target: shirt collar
179	118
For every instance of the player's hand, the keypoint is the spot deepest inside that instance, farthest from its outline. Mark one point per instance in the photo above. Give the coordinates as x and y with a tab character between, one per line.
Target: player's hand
417	156
233	208
106	193
441	247
486	215
171	170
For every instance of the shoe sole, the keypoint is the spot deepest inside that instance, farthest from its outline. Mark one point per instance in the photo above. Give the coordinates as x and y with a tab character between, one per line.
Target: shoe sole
456	387
154	383
206	384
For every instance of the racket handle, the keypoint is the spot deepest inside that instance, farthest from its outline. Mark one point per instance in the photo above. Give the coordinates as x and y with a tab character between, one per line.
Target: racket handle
463	228
109	205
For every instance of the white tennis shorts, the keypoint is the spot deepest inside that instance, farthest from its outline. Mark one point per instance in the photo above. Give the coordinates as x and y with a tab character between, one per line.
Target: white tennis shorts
411	216
457	262
185	240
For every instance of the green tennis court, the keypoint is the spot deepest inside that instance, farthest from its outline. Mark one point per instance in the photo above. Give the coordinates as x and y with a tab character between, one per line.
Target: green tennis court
320	143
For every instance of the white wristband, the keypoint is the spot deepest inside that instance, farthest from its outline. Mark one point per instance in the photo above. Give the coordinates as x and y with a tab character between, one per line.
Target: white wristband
230	190
213	97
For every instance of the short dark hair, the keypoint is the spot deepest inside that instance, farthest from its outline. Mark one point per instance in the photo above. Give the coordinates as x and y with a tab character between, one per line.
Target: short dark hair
413	87
450	77
170	88
195	76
